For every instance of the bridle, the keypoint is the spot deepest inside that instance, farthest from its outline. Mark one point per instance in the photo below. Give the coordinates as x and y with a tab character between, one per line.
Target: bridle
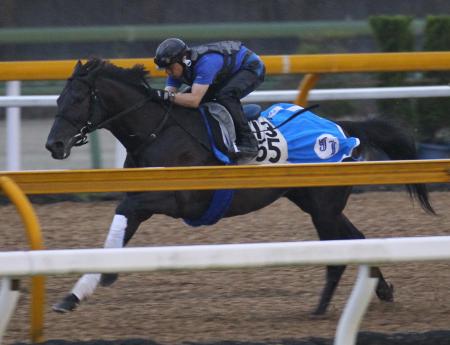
81	138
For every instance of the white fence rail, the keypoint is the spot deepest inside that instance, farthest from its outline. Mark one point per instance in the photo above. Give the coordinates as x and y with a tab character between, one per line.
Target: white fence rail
13	101
278	96
362	252
367	251
352	94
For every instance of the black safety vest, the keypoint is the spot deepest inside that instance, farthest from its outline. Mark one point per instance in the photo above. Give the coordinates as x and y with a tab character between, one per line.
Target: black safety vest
228	49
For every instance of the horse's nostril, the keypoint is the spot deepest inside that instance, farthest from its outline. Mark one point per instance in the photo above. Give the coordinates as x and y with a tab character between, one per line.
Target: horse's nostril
54	146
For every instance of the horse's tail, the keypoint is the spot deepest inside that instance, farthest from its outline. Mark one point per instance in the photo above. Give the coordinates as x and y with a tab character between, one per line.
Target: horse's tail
394	141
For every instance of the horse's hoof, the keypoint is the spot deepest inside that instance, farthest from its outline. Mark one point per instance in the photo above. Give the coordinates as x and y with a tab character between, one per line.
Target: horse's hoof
317	316
320	312
107	279
386	292
68	303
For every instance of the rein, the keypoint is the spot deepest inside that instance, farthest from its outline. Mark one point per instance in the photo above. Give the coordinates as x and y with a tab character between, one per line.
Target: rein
81	137
152	136
135	107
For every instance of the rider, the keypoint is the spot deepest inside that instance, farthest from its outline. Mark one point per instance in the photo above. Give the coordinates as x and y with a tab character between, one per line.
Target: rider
223	71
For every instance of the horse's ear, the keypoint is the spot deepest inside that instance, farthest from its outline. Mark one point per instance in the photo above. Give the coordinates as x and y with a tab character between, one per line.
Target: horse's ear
94	65
78	66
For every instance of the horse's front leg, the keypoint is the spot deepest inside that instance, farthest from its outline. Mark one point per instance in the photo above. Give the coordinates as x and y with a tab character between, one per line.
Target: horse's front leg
126	221
122	229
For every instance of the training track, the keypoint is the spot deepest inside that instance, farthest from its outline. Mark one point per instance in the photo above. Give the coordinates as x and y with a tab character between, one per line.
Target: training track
252	306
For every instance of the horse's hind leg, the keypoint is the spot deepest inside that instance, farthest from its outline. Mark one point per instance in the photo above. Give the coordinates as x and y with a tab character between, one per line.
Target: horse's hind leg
325	206
384	290
346	230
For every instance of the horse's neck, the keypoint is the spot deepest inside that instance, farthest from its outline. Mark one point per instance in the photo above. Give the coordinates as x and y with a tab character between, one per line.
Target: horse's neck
135	128
132	127
183	140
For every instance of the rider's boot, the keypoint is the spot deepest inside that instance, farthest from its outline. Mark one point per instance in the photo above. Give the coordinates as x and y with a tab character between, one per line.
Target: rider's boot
246	142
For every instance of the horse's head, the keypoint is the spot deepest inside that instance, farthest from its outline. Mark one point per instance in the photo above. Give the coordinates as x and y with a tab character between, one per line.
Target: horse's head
75	113
89	99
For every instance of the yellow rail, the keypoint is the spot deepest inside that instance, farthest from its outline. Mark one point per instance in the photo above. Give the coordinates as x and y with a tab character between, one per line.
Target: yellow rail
33	231
220	177
276	64
363	62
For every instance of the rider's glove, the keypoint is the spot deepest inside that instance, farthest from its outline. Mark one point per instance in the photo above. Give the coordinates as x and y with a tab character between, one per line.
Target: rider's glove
162	96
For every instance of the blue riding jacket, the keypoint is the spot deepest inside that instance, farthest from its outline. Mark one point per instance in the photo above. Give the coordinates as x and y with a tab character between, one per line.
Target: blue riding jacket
213	66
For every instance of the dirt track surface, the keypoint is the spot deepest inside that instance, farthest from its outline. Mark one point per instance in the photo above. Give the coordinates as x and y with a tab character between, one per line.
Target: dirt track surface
257	306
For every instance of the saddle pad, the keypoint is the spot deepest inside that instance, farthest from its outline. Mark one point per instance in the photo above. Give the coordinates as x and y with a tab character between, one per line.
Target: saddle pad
221	199
310	138
219	205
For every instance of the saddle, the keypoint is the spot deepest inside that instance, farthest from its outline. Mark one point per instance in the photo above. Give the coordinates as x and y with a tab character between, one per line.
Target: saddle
225	121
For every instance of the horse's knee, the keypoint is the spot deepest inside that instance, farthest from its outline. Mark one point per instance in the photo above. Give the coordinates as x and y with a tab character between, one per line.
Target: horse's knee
126	208
136	207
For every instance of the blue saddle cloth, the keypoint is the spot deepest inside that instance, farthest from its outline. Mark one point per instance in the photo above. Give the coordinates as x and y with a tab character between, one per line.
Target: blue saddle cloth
310	138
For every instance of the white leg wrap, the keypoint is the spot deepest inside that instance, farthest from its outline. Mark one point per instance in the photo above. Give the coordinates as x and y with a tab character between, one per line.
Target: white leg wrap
116	232
86	285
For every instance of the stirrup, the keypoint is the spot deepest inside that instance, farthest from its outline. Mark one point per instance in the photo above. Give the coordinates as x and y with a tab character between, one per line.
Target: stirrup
247	152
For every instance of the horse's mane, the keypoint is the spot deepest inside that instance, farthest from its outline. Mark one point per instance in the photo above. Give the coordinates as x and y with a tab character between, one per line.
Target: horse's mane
134	75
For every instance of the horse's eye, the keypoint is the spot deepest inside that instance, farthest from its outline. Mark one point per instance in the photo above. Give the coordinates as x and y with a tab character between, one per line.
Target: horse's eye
78	91
78	95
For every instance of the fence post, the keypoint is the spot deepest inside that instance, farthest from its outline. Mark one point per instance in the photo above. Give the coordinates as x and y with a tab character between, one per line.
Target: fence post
356	306
9	295
13	129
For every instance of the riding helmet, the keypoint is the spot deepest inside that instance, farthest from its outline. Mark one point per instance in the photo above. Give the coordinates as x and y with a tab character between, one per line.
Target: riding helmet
170	51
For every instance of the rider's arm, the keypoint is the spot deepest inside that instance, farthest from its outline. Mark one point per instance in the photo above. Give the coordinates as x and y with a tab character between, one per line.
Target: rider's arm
192	99
205	72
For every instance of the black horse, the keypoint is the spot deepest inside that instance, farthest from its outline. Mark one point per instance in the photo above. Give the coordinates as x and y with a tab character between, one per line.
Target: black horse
101	95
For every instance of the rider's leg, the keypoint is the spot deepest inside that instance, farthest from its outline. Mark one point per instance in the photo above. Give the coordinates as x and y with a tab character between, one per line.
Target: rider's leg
245	140
229	96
